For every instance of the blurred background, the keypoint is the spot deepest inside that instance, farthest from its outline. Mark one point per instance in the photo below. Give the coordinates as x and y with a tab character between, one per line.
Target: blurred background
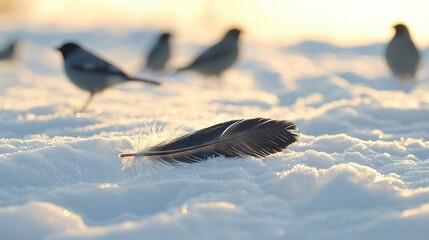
344	22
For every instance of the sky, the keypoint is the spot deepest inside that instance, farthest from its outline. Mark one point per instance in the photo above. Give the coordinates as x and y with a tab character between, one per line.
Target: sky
340	21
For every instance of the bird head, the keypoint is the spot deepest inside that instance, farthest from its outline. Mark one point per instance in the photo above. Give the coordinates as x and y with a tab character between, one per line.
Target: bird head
165	36
401	29
68	48
13	44
234	33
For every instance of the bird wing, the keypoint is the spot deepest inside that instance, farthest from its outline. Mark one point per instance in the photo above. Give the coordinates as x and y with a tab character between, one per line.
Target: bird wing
212	54
412	47
92	64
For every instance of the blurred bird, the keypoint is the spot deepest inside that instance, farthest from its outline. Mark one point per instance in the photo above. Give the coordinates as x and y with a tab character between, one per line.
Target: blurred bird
402	56
9	52
217	58
159	54
91	73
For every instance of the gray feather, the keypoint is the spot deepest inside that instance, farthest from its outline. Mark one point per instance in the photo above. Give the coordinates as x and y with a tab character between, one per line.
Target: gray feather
256	137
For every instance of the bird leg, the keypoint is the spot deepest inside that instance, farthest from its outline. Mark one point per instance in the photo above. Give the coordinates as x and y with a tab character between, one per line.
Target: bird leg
87	102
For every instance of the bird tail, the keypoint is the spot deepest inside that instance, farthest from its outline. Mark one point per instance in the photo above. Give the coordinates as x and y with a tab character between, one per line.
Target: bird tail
150	81
182	69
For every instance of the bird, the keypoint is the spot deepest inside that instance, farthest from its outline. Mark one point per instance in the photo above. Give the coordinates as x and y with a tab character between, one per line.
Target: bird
90	72
159	54
8	52
257	137
402	55
219	57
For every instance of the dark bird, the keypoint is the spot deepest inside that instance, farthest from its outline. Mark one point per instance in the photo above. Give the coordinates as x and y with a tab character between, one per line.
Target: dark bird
219	57
402	55
159	54
256	137
8	53
91	73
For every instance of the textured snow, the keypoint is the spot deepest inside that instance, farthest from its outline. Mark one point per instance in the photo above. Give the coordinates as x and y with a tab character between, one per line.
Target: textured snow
359	171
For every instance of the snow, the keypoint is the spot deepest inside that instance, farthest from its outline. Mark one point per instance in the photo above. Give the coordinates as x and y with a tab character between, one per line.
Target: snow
359	171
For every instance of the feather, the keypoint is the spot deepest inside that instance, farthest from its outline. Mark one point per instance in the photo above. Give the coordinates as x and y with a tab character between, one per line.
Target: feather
256	137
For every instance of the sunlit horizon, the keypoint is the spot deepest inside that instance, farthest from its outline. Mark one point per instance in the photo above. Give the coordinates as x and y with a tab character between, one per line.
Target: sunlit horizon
345	22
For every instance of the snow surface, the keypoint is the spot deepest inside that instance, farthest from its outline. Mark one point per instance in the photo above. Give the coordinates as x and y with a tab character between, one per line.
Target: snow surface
359	171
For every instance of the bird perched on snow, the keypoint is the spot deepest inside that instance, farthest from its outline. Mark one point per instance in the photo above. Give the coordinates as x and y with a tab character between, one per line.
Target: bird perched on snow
91	73
219	57
8	52
402	56
159	54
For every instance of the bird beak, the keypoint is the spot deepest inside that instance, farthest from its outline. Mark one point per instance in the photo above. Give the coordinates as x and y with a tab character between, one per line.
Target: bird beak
58	48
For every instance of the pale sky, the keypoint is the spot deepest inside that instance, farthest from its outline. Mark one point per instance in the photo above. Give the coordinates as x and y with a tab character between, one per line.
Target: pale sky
340	21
